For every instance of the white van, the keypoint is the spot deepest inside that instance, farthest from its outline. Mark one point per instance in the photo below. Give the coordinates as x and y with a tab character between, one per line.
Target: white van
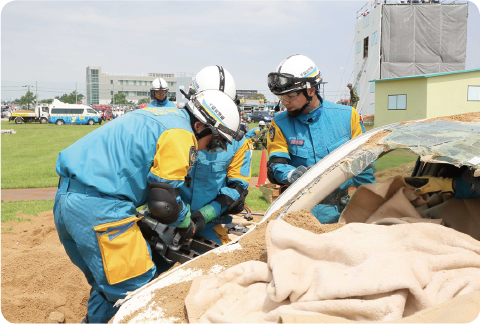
64	113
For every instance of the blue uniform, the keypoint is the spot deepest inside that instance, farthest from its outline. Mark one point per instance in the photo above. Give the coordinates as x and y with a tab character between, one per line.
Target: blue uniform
161	104
211	175
104	176
308	138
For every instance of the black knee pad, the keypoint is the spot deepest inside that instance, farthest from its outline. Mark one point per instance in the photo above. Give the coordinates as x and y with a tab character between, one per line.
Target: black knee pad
162	202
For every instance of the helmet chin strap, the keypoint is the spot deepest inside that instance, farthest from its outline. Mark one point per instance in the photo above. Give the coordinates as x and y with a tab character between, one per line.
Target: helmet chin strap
205	132
296	113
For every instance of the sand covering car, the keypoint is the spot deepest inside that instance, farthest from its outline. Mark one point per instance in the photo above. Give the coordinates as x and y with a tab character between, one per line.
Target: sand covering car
396	263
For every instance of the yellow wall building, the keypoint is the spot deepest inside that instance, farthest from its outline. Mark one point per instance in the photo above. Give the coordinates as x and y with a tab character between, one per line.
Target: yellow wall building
426	96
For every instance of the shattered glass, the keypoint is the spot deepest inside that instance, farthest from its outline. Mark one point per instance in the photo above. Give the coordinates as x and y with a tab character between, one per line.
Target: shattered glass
438	141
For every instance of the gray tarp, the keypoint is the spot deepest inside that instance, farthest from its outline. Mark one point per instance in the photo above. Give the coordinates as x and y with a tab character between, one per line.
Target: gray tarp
411	48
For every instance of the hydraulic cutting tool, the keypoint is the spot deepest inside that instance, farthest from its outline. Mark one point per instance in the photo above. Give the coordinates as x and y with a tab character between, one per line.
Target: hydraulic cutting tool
166	241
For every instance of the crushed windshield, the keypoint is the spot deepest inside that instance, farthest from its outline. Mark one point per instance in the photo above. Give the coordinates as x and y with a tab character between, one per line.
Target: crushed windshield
437	141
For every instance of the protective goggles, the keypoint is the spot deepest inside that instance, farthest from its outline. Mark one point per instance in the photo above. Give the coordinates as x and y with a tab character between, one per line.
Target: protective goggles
159	92
280	82
289	97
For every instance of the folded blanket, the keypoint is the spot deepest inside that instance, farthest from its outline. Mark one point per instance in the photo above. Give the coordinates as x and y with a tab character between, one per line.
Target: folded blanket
360	272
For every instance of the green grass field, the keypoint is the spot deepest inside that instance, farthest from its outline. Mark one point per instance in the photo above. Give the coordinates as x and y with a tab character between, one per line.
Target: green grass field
392	160
12	209
29	156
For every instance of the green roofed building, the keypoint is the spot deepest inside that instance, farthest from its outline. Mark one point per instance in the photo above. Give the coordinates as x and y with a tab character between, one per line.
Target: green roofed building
426	96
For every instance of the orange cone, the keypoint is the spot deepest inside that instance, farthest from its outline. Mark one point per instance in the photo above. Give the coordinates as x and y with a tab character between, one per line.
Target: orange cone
263	172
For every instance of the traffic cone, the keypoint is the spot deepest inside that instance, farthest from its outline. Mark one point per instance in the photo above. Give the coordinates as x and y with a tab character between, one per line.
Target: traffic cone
263	172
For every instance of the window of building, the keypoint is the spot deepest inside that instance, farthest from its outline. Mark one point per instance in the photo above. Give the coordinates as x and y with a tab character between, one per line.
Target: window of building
371	110
397	102
111	92
111	81
365	47
131	83
366	21
473	93
372	87
374	37
358	47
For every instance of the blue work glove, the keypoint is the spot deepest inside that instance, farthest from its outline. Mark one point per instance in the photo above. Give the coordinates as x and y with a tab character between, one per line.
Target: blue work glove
202	216
295	174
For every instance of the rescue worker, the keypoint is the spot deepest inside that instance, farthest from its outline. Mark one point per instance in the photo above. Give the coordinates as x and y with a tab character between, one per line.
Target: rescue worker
259	136
353	96
244	123
137	159
254	132
218	180
310	129
159	90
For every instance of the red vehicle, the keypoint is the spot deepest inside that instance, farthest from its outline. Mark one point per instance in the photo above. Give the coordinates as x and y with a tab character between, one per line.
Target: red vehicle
105	111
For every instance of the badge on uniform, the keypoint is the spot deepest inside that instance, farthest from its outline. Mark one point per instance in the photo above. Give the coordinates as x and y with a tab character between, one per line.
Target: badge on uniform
192	155
272	132
297	142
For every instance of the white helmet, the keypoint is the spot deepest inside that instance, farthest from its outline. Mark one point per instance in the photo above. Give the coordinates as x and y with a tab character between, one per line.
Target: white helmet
294	73
214	77
261	123
159	84
218	112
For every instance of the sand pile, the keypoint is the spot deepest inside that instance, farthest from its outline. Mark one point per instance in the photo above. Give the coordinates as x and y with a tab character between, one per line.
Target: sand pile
38	277
464	117
254	248
368	118
405	170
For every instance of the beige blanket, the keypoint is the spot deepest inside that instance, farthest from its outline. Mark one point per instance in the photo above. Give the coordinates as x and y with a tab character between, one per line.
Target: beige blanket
361	272
393	202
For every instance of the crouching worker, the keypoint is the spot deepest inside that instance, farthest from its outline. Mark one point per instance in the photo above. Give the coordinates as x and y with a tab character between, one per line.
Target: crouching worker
137	158
219	179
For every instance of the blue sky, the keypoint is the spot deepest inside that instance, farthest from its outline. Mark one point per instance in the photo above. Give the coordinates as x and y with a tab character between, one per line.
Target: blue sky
52	43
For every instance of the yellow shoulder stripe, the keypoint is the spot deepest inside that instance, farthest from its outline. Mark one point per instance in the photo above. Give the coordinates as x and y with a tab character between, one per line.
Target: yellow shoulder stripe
277	143
356	129
234	169
172	159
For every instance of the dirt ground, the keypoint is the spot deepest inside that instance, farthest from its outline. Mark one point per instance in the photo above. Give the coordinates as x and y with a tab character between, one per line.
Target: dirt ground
38	277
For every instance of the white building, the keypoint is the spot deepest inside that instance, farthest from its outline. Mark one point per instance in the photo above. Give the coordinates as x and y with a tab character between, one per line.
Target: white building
102	86
397	40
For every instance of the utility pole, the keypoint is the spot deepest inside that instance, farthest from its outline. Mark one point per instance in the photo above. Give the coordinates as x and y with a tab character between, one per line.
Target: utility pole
75	92
36	94
28	91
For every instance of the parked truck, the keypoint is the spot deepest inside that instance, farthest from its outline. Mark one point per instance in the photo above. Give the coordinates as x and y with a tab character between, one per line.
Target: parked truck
39	114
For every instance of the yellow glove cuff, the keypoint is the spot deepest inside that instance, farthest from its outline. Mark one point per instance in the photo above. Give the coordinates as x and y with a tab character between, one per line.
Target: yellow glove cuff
435	185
